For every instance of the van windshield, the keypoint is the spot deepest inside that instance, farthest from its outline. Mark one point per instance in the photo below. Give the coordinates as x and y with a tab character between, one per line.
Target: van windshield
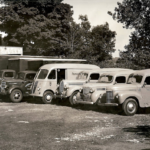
134	79
43	73
105	79
82	76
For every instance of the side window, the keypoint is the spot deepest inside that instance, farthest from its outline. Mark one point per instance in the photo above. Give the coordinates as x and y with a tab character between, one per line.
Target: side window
121	79
8	74
52	75
147	80
94	76
30	76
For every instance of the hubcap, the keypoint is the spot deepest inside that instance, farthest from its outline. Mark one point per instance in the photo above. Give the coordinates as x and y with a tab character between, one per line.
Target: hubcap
16	95
74	99
48	97
131	107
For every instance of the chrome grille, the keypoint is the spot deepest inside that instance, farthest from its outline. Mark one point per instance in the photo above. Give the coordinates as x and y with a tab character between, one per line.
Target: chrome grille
109	96
3	84
86	90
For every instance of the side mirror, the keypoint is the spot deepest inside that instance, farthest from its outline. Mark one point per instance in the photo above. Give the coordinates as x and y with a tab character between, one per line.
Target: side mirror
144	84
115	82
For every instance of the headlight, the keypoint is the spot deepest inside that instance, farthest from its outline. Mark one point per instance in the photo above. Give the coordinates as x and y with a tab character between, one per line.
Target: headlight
92	90
117	96
66	87
80	90
100	96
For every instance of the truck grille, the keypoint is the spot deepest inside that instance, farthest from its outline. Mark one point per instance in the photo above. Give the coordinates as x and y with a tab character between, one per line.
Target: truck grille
86	90
3	84
109	96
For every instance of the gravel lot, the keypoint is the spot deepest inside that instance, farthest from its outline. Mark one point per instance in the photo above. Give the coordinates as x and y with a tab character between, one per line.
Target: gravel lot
31	125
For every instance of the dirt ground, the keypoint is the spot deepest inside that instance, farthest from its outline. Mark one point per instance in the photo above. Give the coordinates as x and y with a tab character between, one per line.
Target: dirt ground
31	125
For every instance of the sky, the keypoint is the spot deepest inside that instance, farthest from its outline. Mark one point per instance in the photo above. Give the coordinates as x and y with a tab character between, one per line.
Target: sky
96	10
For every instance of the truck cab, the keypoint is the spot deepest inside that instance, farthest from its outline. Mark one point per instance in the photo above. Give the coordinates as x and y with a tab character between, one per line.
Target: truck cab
95	93
131	96
49	77
7	74
70	88
17	87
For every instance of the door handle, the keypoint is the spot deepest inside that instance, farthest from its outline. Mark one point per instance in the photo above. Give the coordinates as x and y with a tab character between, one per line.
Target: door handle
50	83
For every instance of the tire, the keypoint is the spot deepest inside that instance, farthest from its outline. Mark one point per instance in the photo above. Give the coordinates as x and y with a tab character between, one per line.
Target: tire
130	107
48	97
72	99
16	96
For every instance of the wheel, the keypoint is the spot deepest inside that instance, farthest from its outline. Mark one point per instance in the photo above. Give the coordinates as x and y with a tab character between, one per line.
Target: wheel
72	99
16	96
48	97
130	107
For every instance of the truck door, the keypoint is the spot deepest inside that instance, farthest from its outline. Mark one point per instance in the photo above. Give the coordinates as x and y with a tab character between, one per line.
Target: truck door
146	92
52	83
60	75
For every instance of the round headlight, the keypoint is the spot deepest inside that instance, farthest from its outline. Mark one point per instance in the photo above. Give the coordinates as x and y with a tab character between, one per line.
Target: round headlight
92	90
117	96
80	90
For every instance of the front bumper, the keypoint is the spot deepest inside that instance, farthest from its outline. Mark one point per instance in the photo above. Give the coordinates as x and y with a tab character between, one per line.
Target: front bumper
3	91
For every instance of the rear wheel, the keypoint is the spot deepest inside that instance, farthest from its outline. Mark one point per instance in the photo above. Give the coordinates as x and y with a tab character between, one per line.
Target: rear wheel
16	96
48	97
130	107
73	98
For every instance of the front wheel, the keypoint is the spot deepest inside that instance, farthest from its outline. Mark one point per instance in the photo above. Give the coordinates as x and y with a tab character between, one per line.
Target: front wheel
130	107
16	96
73	98
48	97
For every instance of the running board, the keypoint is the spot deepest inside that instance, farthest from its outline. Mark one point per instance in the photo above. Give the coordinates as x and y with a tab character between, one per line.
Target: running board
84	102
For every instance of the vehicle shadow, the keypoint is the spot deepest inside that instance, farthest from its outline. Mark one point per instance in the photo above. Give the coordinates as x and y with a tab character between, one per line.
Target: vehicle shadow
142	131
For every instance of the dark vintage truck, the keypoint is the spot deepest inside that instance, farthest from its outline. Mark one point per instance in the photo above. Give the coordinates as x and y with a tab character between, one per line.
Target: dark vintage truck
17	87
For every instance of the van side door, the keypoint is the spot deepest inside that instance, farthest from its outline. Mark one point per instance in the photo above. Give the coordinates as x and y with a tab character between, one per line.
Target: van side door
52	80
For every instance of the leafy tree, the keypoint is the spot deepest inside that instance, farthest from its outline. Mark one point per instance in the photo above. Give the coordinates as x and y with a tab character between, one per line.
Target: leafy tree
135	14
96	43
39	26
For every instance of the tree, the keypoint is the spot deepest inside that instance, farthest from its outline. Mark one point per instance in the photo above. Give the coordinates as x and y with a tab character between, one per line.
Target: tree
96	43
38	26
135	14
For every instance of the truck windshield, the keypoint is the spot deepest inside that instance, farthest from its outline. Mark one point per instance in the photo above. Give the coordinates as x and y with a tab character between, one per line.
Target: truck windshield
20	76
105	79
134	79
82	76
43	73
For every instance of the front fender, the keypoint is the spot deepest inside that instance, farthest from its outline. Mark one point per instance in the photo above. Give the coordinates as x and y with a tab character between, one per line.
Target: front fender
95	96
130	94
72	89
10	89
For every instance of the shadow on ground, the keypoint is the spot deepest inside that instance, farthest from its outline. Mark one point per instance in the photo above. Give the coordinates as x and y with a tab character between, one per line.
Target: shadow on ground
143	131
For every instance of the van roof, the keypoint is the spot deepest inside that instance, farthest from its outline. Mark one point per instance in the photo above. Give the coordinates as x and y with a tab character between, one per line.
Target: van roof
70	66
8	70
105	70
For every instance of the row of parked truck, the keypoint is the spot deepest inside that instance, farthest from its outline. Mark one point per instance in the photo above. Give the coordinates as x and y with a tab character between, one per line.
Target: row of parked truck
124	89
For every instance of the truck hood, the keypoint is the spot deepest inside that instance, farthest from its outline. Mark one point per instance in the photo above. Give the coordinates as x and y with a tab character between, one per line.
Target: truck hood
96	85
126	87
12	80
